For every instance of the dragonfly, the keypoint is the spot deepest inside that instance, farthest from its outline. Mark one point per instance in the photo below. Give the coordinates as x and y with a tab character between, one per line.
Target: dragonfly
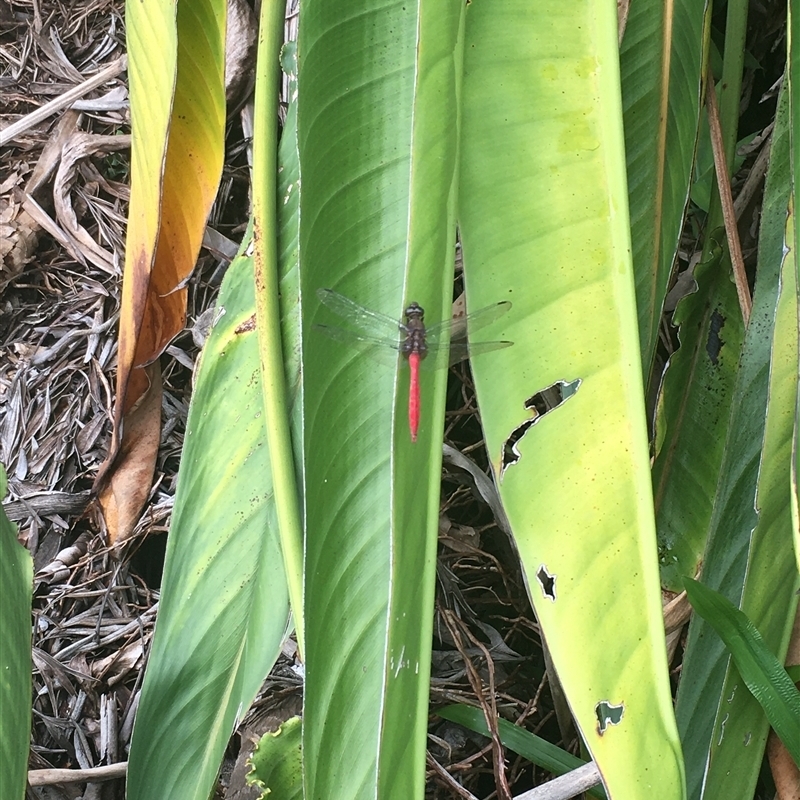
372	330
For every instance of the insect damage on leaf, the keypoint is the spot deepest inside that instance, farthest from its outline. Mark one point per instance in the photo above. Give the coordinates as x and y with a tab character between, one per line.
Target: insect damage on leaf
539	404
547	583
608	714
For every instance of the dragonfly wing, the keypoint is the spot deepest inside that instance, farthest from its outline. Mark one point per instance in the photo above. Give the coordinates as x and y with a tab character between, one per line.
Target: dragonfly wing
460	351
374	347
370	323
460	326
343	335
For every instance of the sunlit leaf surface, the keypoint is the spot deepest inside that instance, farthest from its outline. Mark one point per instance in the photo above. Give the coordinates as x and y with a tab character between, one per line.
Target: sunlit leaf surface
377	91
544	222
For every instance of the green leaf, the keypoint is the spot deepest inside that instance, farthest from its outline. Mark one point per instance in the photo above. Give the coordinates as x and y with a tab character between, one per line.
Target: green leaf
543	213
723	729
520	741
793	79
661	70
277	762
377	131
16	586
696	397
224	606
761	672
698	386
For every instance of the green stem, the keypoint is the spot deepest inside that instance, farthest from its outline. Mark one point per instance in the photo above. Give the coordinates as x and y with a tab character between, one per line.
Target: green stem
268	316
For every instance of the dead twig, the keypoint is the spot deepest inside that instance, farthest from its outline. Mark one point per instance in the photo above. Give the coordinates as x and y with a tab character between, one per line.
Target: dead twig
46	777
449	779
455	626
728	213
565	786
64	101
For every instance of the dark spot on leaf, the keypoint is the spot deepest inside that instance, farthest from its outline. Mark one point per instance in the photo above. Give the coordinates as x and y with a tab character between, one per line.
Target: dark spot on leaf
714	342
248	325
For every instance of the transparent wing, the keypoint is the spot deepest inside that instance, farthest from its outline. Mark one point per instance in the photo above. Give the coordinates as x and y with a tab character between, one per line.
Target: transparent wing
343	335
459	351
376	327
380	337
459	327
375	348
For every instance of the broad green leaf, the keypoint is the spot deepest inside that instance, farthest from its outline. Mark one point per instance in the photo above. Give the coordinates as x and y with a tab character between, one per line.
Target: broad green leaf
544	221
748	559
277	762
698	386
695	400
176	69
224	605
697	389
771	602
377	133
16	585
520	741
660	63
224	608
793	78
761	672
796	483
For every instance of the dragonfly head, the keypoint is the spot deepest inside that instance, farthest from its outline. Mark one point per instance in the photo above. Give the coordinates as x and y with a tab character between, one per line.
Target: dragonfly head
415	311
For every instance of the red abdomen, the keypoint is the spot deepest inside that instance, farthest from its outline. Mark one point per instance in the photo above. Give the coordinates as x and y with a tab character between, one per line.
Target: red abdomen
413	394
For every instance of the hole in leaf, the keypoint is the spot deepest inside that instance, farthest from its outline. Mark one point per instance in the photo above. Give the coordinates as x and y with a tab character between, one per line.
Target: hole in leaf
608	714
547	583
539	404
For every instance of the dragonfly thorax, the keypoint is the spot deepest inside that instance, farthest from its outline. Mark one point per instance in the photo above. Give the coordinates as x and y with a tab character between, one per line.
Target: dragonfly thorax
414	341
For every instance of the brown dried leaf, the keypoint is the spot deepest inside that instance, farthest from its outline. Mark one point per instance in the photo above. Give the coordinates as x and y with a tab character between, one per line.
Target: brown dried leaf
80	146
125	489
115	667
19	234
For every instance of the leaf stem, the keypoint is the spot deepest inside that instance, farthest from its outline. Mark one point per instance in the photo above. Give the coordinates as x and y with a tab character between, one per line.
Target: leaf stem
268	316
